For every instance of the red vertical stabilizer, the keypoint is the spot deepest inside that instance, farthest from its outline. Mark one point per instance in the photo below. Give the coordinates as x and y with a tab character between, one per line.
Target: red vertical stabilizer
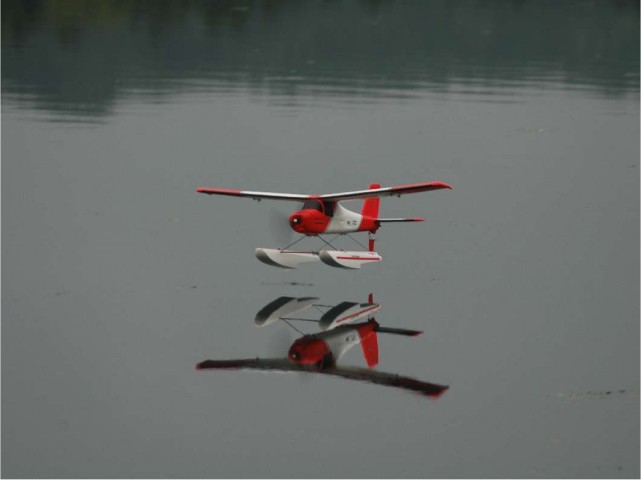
369	342
370	205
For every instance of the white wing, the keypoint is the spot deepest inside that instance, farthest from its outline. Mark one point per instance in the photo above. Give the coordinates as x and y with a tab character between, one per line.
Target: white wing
397	190
255	195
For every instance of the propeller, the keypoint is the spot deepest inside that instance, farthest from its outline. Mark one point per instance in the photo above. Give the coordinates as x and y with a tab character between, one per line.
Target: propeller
279	227
278	346
279	342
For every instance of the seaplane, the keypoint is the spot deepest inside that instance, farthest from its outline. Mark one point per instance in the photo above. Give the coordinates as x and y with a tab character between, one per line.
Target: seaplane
318	353
324	215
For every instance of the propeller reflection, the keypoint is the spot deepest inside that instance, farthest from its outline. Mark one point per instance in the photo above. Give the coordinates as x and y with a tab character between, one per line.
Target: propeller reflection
319	352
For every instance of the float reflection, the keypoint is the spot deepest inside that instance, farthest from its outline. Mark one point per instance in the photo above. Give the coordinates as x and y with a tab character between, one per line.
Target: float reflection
341	329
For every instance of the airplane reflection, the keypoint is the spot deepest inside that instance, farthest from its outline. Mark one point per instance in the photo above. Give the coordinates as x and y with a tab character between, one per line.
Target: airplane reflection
319	352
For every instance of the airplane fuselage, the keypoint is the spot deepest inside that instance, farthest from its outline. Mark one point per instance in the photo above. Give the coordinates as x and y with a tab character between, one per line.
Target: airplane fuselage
318	217
325	348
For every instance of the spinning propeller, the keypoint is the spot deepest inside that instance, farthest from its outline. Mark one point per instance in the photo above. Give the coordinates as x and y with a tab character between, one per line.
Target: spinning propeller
279	227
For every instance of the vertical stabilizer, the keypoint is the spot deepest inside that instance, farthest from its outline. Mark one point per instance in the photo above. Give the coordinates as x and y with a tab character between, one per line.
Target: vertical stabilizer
370	205
369	342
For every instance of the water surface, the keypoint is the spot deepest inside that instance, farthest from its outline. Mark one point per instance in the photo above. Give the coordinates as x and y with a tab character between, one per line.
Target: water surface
118	277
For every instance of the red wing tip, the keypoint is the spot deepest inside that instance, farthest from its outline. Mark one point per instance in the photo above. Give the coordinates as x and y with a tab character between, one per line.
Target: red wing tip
421	187
202	365
439	393
220	191
442	185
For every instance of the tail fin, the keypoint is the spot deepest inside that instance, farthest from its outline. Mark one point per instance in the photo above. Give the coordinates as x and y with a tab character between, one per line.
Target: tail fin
369	342
370	348
370	205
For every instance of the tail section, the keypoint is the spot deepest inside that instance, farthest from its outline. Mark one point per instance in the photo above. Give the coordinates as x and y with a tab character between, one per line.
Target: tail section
369	338
370	205
370	210
369	342
395	331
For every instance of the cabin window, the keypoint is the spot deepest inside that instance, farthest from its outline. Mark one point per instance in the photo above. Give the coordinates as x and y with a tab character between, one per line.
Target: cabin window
329	209
313	205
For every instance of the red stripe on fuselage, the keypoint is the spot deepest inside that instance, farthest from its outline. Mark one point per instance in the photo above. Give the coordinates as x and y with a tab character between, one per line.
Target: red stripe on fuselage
357	258
357	313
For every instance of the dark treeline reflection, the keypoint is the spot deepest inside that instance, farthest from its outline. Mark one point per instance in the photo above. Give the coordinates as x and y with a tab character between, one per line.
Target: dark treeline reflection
80	56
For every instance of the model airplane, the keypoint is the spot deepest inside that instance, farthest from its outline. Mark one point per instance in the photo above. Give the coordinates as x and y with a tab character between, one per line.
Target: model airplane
319	352
324	214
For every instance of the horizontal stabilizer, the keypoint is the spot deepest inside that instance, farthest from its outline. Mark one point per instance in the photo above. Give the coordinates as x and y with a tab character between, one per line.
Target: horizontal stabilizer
398	331
391	220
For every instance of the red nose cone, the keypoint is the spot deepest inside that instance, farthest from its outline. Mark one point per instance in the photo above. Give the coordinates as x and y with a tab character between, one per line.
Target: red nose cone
296	221
308	351
309	221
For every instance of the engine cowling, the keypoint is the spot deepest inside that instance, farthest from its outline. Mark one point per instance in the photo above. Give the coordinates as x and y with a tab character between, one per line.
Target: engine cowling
308	351
309	222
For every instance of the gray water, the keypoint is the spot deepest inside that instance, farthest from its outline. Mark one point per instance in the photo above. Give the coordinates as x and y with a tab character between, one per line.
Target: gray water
117	277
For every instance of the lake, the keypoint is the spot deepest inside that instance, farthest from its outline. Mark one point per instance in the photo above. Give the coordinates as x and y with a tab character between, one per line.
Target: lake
118	278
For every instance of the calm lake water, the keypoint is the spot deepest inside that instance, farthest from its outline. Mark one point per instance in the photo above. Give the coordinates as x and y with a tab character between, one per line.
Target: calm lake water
117	277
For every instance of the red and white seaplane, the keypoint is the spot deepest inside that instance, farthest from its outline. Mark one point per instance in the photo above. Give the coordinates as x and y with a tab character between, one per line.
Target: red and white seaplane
319	352
323	214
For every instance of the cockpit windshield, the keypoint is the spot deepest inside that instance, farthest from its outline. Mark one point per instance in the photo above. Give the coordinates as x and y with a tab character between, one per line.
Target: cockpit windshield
313	205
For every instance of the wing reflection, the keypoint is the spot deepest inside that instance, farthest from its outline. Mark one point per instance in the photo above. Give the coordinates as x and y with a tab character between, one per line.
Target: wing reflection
318	353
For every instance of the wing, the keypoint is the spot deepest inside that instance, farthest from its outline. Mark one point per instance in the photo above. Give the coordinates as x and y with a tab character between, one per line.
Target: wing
255	195
388	379
278	364
350	373
397	190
